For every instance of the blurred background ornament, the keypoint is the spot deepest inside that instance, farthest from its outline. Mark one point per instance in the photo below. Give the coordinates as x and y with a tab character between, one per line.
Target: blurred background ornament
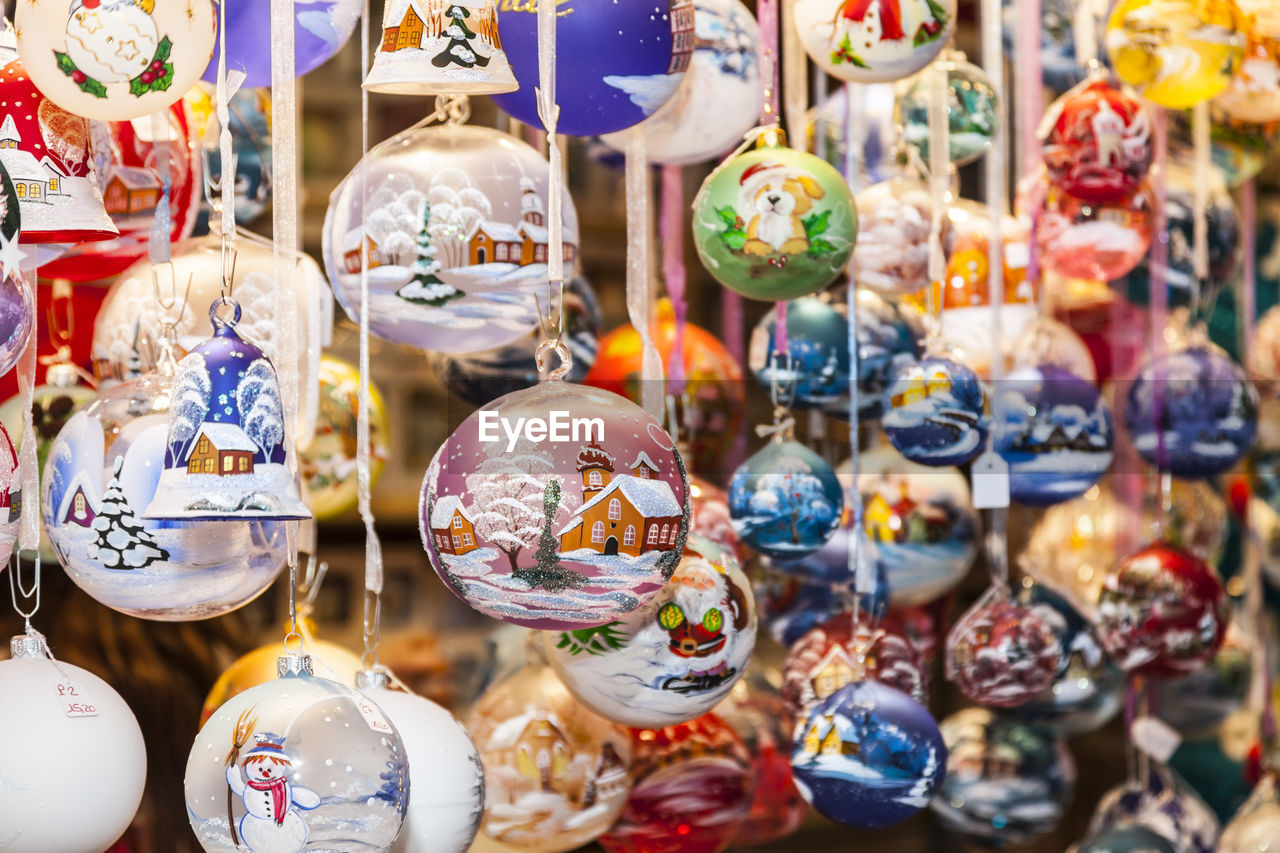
785	500
1257	825
1098	241
1097	142
972	111
320	28
895	217
327	464
875	131
1163	804
1200	702
854	43
1001	652
1059	63
1239	149
250	121
1252	95
457	50
937	412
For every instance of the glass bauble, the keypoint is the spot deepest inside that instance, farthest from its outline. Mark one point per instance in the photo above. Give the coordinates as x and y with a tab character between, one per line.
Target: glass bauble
895	218
1097	142
863	42
570	518
1165	805
785	500
1100	241
1257	825
972	111
1006	784
868	756
815	367
298	761
1161	611
937	412
1252	95
874	131
17	317
319	31
674	657
1203	700
455	235
1002	653
102	472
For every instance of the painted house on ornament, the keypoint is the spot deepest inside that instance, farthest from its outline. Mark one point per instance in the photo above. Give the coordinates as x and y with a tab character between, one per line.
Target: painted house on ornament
451	528
221	448
352	245
426	19
78	506
542	756
921	388
33	180
684	37
521	244
131	191
628	514
834	671
823	738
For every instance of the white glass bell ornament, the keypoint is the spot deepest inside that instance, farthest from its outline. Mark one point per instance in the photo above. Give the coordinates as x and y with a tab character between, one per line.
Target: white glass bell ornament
440	47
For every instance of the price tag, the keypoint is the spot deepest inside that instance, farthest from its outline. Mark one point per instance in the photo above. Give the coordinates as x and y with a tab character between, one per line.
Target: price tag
73	702
990	481
1155	737
373	716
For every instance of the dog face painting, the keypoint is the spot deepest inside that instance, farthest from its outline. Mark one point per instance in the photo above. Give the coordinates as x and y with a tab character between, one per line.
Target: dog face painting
775	223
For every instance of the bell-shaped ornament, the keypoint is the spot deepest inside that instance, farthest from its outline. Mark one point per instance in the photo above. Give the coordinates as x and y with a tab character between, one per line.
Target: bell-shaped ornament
440	47
225	453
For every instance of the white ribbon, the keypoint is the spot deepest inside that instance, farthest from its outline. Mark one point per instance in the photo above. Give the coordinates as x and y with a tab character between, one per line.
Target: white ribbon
28	463
1200	203
639	282
158	247
795	77
939	191
549	112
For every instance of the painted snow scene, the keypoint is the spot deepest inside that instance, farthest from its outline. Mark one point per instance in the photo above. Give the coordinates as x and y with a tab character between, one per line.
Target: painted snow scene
785	500
455	236
568	528
671	659
873	41
458	39
815	367
936	412
1056	434
297	764
102	471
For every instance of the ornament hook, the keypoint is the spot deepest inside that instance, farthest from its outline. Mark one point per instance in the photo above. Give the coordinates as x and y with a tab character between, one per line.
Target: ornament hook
554	345
215	312
18	592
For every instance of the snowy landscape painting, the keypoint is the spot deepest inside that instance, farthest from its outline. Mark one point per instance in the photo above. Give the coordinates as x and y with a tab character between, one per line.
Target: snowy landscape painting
785	501
936	412
448	41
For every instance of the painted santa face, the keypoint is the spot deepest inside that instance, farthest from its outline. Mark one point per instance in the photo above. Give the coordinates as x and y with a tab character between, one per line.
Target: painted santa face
112	41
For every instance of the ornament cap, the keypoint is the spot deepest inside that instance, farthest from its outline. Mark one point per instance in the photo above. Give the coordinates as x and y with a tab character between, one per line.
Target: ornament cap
294	665
61	375
772	137
26	646
372	679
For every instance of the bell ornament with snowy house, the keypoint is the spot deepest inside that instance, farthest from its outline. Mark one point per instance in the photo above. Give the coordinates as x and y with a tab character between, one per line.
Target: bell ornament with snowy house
440	47
226	444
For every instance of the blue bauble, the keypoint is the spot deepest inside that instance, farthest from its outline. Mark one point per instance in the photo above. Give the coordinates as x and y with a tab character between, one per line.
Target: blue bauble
1006	782
1129	838
785	501
1056	434
936	412
818	347
890	335
1192	412
868	756
616	63
320	29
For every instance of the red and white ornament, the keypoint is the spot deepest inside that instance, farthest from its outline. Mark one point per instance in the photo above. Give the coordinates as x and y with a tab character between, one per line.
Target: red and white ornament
1001	653
1097	142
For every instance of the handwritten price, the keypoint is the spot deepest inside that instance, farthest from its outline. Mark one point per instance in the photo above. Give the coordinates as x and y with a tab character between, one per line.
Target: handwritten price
373	717
74	707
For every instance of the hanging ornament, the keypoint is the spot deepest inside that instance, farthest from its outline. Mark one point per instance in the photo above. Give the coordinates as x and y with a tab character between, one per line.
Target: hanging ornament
1002	653
555	773
448	781
126	167
1176	53
294	762
114	60
785	500
1097	142
691	790
328	463
673	658
1257	824
972	111
458	51
1096	241
937	412
869	42
1191	412
52	405
250	122
628	59
319	33
892	252
571	533
17	314
1127	838
1006	783
1164	805
1161	611
816	363
774	223
54	717
709	516
454	227
890	335
720	97
1252	96
868	756
874	128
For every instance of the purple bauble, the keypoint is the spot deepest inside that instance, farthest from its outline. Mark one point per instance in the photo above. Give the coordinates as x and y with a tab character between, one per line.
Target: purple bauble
868	756
320	29
17	318
616	63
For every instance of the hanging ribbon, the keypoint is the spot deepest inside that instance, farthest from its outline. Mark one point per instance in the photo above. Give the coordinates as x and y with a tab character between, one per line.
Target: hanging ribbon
1157	282
939	198
767	15
673	271
549	112
795	78
158	250
1203	175
1030	86
639	282
28	463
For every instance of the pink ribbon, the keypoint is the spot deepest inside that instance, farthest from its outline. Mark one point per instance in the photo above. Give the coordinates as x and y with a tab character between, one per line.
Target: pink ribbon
767	15
672	224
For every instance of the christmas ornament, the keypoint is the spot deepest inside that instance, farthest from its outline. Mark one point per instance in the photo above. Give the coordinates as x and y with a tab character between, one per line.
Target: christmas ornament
1191	412
890	335
1096	241
1251	95
250	122
628	59
815	367
875	132
114	60
1164	805
720	97
1006	783
709	516
873	42
1059	65
868	756
785	500
792	601
937	412
448	780
295	762
1176	53
320	29
1127	838
1097	142
17	315
55	716
10	493
44	150
455	50
1203	700
1238	149
1055	436
774	223
671	659
1161	611
573	517
52	405
1257	824
555	774
972	111
328	463
895	219
479	377
1002	653
455	237
691	790
125	165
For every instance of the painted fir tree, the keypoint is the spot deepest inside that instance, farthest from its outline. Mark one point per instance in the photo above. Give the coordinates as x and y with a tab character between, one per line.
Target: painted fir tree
426	287
122	542
548	574
461	47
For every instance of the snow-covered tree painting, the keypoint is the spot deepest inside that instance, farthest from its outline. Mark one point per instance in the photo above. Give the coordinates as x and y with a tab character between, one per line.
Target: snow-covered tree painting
793	494
547	572
461	47
507	494
121	541
261	412
191	389
426	287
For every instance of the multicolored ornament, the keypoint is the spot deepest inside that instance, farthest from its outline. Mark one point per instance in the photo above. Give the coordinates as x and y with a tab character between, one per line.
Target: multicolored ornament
1252	95
327	465
785	500
1002	653
1095	241
628	59
972	111
320	29
1164	804
1097	142
868	42
868	756
454	229
295	761
115	60
458	53
937	412
1161	611
895	219
774	223
815	367
572	517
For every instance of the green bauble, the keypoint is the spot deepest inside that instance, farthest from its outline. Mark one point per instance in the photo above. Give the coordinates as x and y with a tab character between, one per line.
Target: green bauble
775	223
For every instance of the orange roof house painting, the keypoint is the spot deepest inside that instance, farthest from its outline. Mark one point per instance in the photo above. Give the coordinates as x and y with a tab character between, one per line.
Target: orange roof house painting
414	26
521	244
131	191
451	528
621	514
356	241
222	449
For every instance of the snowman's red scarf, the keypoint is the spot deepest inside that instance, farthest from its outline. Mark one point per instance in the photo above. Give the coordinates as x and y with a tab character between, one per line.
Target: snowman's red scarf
279	799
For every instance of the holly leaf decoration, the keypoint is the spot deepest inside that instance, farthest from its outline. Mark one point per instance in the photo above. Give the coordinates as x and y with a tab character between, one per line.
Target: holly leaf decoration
816	224
821	246
163	49
162	78
733	236
728	216
88	85
65	65
593	641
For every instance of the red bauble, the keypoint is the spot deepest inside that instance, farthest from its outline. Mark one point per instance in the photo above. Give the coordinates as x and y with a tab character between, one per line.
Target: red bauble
1162	612
1098	142
1001	653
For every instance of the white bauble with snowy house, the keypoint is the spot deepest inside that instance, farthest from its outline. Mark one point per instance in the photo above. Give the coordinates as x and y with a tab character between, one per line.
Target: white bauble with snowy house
440	47
874	41
452	234
101	473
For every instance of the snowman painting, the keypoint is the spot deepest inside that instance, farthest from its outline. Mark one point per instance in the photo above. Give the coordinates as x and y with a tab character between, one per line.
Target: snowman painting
272	822
115	41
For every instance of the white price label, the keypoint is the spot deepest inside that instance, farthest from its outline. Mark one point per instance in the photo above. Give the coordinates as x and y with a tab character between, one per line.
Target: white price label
373	716
990	481
74	703
1155	737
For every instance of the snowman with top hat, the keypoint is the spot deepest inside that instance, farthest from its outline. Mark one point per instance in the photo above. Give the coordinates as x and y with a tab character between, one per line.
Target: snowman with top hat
272	822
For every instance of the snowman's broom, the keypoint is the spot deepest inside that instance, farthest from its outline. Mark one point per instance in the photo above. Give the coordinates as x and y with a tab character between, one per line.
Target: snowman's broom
244	728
